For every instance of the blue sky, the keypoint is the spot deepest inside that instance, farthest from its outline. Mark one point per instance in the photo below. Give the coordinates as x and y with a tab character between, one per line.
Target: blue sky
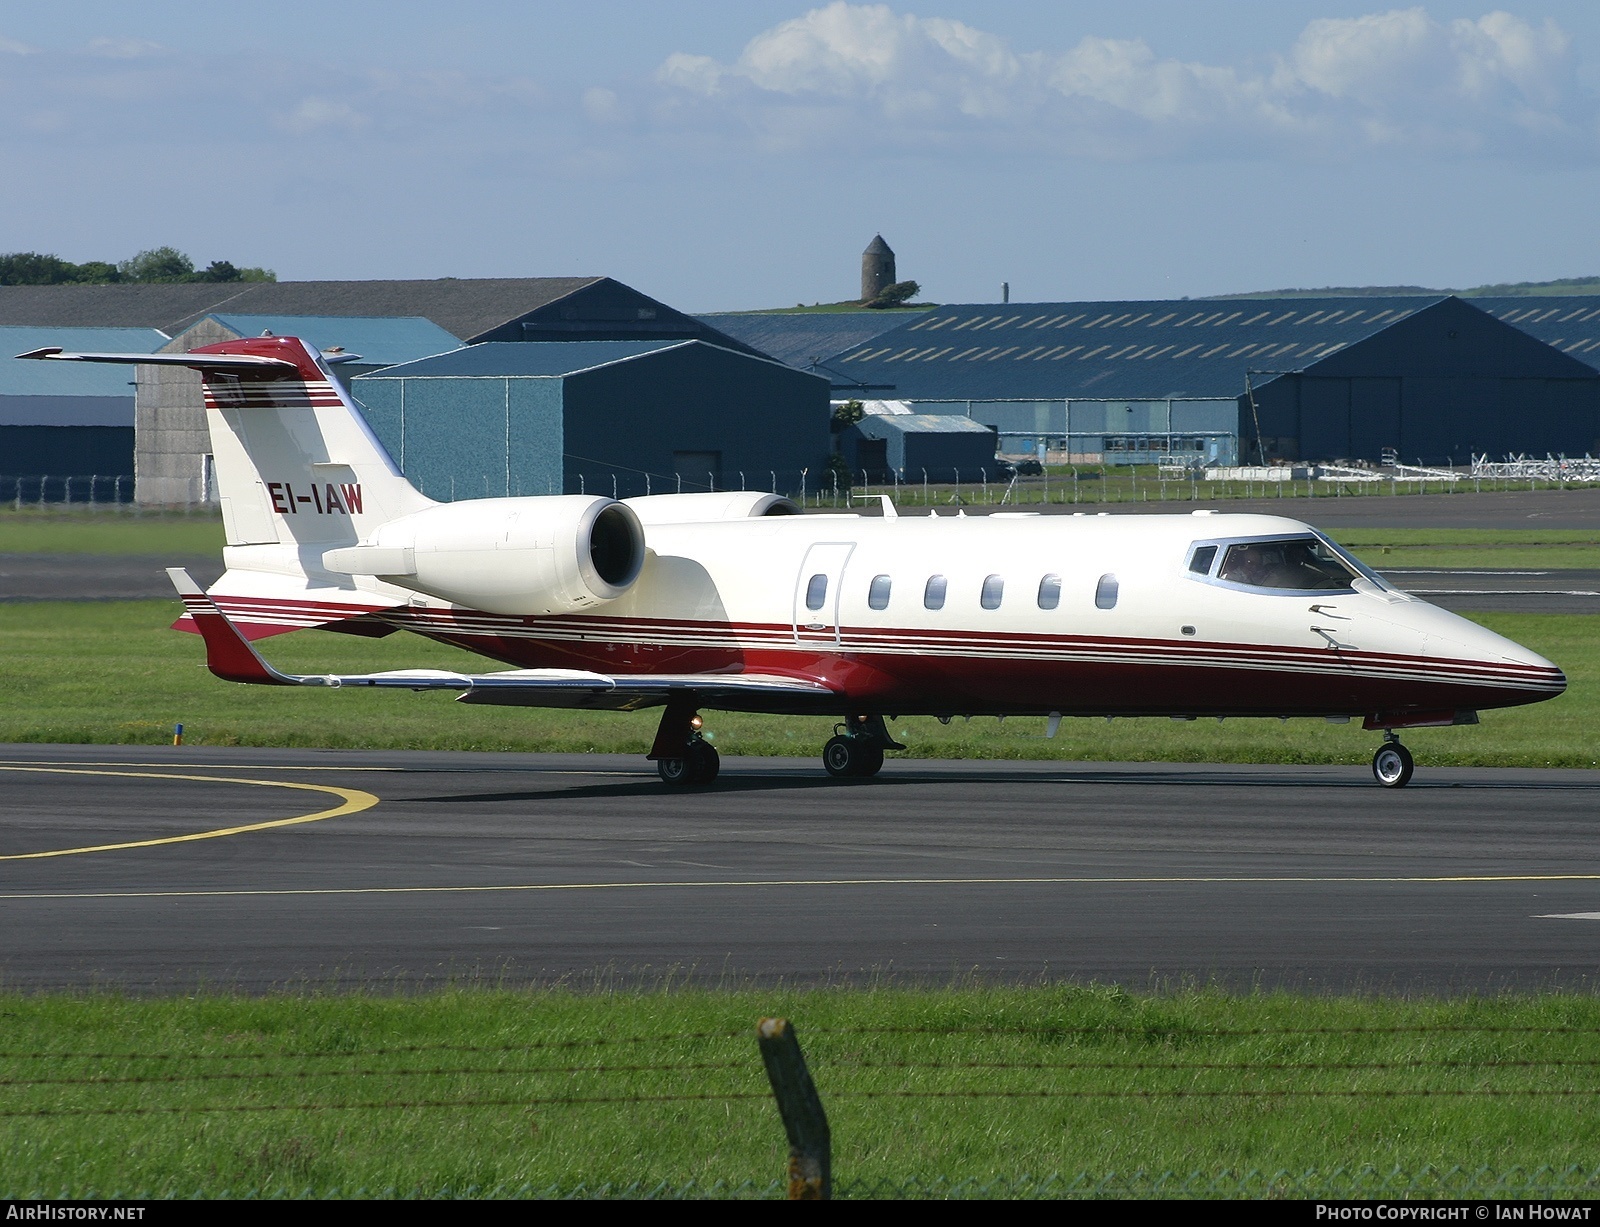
730	155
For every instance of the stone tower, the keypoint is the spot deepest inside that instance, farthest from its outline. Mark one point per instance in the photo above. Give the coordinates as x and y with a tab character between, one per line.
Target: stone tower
877	269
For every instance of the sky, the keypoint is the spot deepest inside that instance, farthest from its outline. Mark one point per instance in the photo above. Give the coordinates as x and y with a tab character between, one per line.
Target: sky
726	156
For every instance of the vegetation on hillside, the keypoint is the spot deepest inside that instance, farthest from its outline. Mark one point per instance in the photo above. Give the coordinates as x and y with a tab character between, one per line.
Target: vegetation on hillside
1566	285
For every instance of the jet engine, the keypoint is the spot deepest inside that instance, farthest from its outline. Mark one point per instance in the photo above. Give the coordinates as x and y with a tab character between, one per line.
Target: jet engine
705	507
520	556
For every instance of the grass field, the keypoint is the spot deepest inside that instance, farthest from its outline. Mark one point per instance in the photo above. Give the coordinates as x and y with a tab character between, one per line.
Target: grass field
177	534
214	1094
113	673
80	532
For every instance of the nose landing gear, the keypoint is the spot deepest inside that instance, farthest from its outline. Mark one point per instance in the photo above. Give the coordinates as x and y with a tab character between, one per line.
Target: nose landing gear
1392	764
856	749
682	756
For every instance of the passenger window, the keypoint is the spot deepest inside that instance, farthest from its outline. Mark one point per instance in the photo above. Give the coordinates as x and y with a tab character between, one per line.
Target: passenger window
1105	592
816	591
994	588
1200	564
933	594
878	593
1049	592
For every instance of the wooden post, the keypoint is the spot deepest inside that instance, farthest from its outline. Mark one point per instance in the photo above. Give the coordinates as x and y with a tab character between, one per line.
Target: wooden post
810	1148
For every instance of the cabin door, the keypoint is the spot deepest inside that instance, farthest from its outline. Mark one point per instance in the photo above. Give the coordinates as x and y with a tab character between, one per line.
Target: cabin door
816	592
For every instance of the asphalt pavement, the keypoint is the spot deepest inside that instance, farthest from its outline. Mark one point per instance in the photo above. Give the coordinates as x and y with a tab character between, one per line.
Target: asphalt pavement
162	868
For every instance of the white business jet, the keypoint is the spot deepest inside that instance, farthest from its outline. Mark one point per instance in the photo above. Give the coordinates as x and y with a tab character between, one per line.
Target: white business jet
734	602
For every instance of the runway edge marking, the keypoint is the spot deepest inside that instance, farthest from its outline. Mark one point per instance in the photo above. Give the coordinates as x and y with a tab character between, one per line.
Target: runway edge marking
354	801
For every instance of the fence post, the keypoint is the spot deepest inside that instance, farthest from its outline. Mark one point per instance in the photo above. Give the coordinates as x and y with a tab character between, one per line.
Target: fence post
810	1147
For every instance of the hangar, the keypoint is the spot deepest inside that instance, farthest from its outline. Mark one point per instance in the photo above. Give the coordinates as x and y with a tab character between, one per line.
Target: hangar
598	417
1429	379
64	422
384	321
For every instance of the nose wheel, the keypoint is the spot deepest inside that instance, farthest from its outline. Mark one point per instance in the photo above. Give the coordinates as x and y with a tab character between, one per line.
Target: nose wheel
698	764
1392	765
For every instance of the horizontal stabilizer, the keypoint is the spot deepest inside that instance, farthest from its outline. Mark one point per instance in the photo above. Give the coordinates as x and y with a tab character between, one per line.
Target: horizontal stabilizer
236	363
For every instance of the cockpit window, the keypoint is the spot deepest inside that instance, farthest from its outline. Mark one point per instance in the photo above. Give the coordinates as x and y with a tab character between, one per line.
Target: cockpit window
1301	564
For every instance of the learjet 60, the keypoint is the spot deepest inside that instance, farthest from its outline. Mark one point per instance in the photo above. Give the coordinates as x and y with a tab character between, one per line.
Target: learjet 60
732	601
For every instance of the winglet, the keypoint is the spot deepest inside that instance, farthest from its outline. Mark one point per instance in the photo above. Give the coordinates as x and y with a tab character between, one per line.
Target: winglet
228	653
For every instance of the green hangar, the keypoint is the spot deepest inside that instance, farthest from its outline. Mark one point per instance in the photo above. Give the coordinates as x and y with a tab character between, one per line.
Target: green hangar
1243	380
622	417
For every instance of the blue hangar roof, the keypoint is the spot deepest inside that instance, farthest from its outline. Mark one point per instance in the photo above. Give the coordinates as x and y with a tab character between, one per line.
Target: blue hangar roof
529	359
72	378
803	339
380	340
1571	323
1117	350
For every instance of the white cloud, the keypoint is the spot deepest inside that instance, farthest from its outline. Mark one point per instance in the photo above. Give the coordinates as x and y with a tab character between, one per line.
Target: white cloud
124	48
1387	79
322	113
10	46
603	106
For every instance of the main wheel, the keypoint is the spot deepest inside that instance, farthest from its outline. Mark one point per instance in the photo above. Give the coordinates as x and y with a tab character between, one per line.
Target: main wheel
853	757
704	762
871	756
840	756
1392	765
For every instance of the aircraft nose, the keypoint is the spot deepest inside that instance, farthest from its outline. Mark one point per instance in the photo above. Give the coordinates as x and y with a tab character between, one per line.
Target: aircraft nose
1491	654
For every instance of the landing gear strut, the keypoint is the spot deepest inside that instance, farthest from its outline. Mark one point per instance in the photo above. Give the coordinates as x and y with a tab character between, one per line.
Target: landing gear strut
682	756
856	749
1392	765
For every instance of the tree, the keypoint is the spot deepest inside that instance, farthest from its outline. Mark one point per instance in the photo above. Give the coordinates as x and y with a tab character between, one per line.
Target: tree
848	414
159	264
32	268
896	295
218	270
96	272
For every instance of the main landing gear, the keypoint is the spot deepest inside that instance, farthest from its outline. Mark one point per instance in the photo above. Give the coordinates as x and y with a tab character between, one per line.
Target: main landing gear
856	749
682	756
1392	765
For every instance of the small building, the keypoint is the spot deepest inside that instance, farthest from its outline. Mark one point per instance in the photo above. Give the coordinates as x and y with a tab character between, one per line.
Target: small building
67	428
600	417
920	447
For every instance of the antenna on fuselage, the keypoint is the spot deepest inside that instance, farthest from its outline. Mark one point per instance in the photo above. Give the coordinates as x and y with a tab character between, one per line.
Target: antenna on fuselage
889	513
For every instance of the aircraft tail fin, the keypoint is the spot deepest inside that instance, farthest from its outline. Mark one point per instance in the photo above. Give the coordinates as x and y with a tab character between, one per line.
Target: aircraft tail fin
296	463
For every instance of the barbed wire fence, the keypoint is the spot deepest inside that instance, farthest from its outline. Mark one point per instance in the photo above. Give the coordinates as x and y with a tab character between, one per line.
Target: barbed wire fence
615	1073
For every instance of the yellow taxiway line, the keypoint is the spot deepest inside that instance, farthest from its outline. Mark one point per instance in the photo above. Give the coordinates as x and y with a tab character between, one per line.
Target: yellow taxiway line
353	801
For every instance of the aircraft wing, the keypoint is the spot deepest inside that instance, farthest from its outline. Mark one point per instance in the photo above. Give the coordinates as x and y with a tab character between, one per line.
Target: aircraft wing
232	657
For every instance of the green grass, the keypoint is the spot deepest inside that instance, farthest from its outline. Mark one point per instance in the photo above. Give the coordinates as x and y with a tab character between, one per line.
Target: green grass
112	673
1511	549
304	1054
71	531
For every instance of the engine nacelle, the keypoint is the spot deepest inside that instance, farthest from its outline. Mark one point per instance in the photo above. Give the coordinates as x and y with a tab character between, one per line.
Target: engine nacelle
552	555
705	507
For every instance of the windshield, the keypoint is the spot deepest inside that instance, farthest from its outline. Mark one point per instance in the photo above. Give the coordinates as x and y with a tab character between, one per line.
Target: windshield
1300	564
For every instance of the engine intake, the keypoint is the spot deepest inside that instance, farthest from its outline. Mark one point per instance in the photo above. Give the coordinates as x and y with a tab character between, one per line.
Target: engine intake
519	556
